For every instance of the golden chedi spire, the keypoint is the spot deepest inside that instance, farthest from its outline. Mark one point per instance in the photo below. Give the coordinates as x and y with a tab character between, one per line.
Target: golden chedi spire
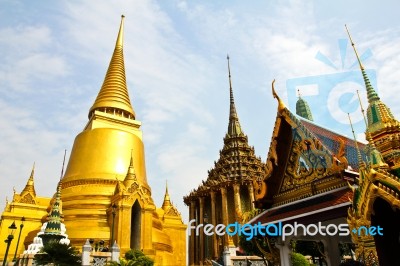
113	94
167	200
108	151
30	184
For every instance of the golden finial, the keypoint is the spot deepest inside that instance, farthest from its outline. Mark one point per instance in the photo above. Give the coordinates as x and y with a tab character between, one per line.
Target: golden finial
371	94
234	127
120	38
167	200
30	184
62	168
281	105
232	113
362	110
354	48
360	161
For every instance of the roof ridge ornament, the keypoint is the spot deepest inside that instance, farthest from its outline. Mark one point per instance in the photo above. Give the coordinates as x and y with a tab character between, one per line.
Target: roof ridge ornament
281	105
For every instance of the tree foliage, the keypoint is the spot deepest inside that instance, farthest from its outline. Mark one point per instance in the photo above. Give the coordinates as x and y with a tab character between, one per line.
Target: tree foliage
58	254
299	260
134	258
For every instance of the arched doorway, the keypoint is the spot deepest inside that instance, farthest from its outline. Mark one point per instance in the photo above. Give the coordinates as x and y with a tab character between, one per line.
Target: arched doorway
136	226
388	244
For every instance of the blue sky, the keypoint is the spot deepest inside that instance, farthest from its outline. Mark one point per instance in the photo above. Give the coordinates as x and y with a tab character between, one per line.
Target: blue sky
54	56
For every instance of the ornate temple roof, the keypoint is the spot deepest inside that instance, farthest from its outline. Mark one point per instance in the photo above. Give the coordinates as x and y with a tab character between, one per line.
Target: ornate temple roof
332	141
114	94
304	160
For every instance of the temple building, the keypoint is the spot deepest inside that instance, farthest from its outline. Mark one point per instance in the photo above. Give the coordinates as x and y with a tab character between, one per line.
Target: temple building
308	169
317	175
228	191
105	194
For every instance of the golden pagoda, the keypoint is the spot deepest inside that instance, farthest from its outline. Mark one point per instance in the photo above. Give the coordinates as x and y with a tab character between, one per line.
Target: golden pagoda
105	194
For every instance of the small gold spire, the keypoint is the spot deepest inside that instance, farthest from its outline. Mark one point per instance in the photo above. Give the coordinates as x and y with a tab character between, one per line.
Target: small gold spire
30	184
360	160
131	174
281	105
114	94
167	200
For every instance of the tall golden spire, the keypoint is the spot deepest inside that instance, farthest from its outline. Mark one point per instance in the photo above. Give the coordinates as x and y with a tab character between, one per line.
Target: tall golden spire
30	185
234	127
113	96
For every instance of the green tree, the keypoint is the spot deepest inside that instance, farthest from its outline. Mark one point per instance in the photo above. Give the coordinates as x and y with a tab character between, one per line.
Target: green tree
134	258
58	254
299	260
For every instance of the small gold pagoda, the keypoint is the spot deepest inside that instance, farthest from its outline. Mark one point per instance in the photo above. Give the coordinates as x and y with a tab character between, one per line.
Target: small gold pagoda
105	193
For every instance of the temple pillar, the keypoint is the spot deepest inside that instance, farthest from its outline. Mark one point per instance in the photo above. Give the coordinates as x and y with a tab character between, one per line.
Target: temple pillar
147	221
192	237
251	195
238	205
224	211
201	237
284	251
214	222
